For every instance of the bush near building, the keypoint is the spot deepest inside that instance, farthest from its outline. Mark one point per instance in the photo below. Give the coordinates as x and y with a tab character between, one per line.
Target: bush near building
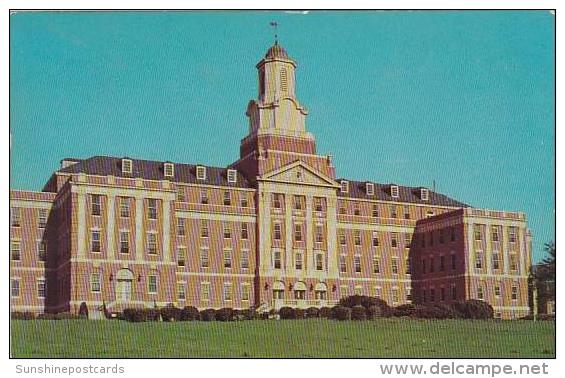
341	313
359	313
189	313
208	315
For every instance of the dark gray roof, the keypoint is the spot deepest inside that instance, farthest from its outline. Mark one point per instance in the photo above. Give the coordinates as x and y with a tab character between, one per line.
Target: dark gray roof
405	194
153	170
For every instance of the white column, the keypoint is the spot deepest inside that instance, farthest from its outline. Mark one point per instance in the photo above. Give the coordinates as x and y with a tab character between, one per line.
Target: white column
81	221
333	258
310	265
139	244
110	227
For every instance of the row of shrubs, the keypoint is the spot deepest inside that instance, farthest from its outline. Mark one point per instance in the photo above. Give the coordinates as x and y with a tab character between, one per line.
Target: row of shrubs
25	315
189	313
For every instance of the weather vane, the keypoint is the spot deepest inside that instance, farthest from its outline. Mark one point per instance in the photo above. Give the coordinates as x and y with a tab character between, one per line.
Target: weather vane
274	25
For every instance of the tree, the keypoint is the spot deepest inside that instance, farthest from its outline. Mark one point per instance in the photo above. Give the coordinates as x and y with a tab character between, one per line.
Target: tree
545	273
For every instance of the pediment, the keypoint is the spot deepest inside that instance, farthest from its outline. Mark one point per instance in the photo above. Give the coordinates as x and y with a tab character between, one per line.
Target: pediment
299	173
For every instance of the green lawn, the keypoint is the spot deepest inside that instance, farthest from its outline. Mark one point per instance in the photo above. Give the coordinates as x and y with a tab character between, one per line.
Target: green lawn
285	338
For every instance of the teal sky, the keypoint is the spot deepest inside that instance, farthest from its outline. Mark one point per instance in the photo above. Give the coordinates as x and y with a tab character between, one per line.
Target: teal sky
465	98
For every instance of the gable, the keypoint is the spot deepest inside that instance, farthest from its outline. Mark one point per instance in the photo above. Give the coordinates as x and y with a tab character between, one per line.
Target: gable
299	173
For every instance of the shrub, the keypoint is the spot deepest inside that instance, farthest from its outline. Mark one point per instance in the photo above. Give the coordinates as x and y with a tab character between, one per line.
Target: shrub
189	313
325	312
405	310
312	312
133	315
475	309
83	310
287	313
26	315
170	313
341	313
46	316
358	313
151	314
447	311
300	313
375	312
208	315
224	314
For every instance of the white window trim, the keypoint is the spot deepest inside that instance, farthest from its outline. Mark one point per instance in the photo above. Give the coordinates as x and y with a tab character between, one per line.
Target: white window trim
169	170
127	166
370	188
232	176
19	287
394	191
424	194
200	172
344	186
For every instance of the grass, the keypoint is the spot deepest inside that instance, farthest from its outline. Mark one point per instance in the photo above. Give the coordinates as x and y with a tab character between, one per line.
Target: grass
383	338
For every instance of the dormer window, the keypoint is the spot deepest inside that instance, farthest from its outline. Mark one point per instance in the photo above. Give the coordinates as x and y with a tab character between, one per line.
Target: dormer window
200	172
232	176
126	165
169	169
424	194
370	188
394	191
344	186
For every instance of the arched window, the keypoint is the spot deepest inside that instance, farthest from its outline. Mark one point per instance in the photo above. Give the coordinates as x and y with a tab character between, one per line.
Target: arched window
284	80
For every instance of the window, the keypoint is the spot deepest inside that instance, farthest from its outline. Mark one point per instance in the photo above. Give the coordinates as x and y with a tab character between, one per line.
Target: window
375	211
152	284
423	240
227	231
204	258
41	250
95	241
441	236
318	204
169	169
200	172
245	291
278	294
394	191
16	217
319	233
513	262
432	295
42	218
319	261
342	239
478	232
15	288
205	291
299	294
370	188
432	265
395	297
357	263
41	288
375	239
408	291
342	264
244	259
298	232
357	237
378	292
423	266
479	260
406	212
244	201
126	165
204	228
407	240
452	234
424	194
96	204
277	231
344	186
494	235
181	256
277	200
232	176
408	266
514	292
393	211
204	196
429	214
497	290
480	293
442	294
227	198
376	265
423	295
356	210
181	197
394	240
227	258
454	293
394	265
512	234
441	263
284	80
152	208
152	243
431	238
277	259
181	291
298	260
495	260
244	231
181	231
453	262
342	208
95	282
16	250
124	207
298	203
343	291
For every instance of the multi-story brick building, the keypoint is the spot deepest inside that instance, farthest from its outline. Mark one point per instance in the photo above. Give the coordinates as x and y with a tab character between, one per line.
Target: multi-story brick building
274	228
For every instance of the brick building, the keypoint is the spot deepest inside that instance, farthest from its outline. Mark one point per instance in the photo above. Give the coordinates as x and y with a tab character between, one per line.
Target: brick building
274	228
